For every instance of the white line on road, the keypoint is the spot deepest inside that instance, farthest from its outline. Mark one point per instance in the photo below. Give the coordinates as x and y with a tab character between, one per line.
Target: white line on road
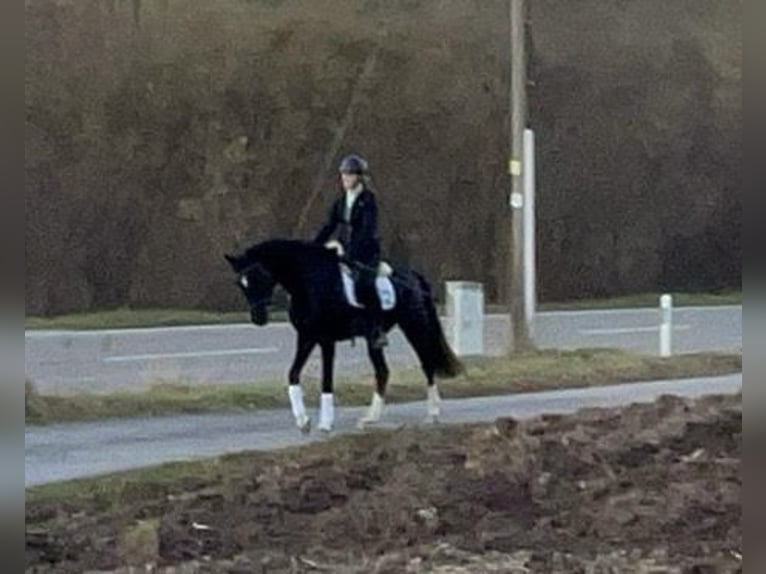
628	330
190	355
78	380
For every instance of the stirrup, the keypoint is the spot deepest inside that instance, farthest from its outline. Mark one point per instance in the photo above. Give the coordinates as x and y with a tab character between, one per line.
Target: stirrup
379	340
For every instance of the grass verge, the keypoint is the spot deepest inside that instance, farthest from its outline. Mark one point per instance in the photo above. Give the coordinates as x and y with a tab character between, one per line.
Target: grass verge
542	370
134	318
647	300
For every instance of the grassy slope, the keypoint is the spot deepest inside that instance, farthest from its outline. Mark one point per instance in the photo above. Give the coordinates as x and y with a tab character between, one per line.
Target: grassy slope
538	371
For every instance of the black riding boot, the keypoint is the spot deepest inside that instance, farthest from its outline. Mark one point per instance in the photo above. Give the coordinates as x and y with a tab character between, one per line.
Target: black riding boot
377	336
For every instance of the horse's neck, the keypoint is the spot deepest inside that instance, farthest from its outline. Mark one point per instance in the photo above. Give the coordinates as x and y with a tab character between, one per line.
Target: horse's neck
290	283
287	266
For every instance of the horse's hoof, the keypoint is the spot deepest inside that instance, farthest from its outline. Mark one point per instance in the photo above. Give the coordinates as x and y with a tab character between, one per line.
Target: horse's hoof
304	425
326	429
364	423
432	419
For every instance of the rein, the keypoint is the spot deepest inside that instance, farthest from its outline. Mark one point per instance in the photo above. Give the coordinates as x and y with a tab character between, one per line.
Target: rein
371	269
266	300
342	259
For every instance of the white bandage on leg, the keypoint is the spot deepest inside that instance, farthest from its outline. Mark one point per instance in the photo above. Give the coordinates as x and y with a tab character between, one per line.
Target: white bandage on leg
296	401
434	401
326	412
374	411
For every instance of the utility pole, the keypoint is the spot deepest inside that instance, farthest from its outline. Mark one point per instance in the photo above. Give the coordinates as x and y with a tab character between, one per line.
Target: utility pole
519	331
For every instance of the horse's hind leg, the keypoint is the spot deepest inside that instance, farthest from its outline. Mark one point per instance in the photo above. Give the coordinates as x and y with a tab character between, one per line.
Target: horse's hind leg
327	403
433	409
433	400
295	392
375	411
418	331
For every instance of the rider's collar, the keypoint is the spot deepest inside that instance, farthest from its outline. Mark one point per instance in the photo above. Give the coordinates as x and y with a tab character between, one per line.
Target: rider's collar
356	190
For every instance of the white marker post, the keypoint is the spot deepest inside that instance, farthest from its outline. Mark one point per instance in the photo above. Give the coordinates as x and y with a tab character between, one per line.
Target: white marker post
465	308
666	324
530	289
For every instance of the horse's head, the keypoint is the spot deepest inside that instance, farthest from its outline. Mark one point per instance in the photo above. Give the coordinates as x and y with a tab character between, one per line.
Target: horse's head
257	283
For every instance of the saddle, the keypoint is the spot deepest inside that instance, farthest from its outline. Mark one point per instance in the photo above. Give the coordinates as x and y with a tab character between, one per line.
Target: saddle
383	285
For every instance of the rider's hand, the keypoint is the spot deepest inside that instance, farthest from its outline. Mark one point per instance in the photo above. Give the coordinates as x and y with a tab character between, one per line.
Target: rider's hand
336	246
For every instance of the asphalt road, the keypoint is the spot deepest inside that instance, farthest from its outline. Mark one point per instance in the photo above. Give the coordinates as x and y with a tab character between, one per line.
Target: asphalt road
60	452
127	359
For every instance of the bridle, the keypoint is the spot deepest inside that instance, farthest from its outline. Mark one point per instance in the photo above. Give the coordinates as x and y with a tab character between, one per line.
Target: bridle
243	275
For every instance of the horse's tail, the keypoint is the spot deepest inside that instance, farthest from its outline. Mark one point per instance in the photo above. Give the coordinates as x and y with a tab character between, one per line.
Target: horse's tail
446	364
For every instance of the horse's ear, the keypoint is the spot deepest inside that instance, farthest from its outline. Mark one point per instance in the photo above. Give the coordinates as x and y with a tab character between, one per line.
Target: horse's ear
234	261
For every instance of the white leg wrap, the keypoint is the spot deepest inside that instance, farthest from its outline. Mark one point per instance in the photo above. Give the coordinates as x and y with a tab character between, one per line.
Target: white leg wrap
326	412
375	411
434	401
295	393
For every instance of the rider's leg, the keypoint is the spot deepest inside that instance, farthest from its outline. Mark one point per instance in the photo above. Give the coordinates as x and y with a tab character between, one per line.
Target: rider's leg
368	295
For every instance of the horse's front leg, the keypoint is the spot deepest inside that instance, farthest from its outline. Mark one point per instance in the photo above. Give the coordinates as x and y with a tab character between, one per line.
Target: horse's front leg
433	409
375	410
327	403
302	351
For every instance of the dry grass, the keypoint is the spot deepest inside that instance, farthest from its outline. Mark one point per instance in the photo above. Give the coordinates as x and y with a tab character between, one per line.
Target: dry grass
543	370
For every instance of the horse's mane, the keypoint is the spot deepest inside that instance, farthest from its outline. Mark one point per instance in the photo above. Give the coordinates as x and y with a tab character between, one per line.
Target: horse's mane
278	250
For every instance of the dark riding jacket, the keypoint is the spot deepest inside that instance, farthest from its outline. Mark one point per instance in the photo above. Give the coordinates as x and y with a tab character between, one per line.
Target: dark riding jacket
359	236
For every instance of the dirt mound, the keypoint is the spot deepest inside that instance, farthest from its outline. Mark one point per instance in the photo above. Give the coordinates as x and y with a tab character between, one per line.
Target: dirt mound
646	488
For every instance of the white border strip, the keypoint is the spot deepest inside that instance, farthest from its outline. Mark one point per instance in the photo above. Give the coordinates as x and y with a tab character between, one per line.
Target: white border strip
628	330
190	355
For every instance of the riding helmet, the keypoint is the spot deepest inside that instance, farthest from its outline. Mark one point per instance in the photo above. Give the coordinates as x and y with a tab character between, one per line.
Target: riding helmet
353	164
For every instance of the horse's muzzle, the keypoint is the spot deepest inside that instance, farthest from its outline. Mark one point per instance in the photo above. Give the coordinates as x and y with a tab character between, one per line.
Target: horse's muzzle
259	316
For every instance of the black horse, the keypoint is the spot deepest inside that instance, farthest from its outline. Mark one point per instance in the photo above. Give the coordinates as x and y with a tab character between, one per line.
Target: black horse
321	314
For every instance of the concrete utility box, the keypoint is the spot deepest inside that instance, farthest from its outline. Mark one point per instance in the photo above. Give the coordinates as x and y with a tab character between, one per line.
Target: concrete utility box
465	309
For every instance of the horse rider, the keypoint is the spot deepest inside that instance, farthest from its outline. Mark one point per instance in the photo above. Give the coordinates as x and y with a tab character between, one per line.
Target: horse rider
354	216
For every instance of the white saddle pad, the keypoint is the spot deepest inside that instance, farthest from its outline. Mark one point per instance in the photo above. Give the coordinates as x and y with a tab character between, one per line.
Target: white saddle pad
385	288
